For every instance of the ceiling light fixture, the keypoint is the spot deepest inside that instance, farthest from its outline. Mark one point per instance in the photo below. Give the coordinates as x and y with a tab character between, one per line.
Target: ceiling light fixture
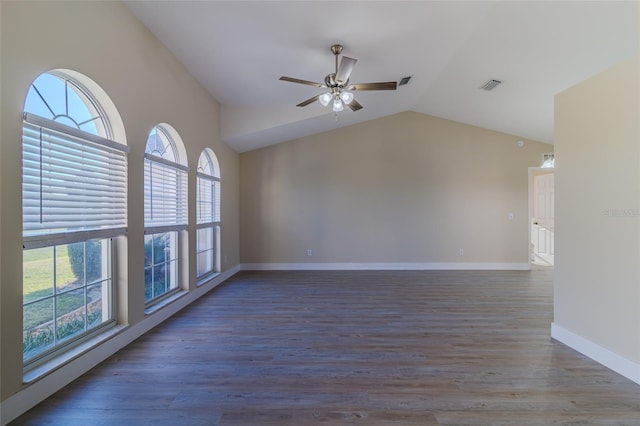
346	97
337	104
339	96
325	98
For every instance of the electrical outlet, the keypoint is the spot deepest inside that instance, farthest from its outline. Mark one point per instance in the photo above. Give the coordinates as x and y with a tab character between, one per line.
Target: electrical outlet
510	216
309	252
461	252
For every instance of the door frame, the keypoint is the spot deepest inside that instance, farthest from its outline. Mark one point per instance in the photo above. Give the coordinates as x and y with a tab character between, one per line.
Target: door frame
531	172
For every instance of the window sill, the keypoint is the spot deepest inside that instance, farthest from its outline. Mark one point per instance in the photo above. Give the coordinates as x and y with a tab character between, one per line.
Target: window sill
164	302
206	278
56	362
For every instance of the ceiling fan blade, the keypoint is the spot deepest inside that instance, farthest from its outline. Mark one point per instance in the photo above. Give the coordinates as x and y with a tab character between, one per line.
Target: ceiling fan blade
388	85
308	101
344	69
297	80
354	105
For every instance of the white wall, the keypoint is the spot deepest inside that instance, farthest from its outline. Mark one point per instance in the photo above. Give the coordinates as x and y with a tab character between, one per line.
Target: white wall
597	275
405	191
105	42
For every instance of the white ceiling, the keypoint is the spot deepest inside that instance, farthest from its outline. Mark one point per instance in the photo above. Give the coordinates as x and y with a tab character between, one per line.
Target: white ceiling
239	49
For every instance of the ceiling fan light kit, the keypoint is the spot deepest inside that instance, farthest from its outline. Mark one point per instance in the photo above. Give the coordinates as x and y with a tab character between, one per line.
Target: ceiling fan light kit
340	91
325	98
346	97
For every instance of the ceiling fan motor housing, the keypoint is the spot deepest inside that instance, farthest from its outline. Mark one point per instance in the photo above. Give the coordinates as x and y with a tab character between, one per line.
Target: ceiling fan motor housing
331	83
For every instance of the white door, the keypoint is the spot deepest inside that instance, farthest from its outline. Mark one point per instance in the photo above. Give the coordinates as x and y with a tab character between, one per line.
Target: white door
542	221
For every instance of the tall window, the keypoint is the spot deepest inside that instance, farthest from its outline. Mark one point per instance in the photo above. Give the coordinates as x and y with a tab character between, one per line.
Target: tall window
74	203
165	211
208	214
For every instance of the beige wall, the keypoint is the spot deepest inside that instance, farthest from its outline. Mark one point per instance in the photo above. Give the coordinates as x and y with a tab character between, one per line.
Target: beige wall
597	150
105	42
409	188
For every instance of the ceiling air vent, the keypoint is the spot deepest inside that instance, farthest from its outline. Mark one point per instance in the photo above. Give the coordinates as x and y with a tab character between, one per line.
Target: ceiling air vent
404	81
490	85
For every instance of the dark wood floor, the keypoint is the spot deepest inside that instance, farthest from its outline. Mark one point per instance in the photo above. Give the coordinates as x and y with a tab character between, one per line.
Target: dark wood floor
333	348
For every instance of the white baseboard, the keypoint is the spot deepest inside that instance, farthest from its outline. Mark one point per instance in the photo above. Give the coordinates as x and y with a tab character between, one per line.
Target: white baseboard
453	266
31	395
617	363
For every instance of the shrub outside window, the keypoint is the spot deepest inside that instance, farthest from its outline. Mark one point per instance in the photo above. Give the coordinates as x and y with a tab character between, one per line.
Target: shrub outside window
160	264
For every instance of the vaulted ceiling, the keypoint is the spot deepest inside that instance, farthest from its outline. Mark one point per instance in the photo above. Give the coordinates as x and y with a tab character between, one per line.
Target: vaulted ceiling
239	49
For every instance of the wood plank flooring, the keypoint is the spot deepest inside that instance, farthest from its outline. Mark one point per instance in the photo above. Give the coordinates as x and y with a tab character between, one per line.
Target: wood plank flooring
356	347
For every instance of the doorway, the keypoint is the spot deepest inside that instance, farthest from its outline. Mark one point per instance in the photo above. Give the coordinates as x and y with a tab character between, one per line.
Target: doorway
541	217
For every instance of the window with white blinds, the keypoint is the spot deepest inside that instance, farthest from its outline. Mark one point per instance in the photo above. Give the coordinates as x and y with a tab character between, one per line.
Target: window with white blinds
74	207
72	181
208	199
165	193
208	188
165	212
207	214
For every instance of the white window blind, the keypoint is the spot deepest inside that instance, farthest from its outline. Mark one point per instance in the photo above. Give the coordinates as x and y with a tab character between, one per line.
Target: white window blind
72	180
165	194
208	199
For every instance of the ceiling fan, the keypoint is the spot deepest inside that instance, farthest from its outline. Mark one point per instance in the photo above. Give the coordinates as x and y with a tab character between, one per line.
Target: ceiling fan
339	90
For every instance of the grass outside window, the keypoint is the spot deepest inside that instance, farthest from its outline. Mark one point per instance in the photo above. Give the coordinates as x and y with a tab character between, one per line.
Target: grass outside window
65	288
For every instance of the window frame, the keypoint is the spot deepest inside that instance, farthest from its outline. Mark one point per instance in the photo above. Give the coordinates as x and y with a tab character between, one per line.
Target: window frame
76	140
214	222
181	201
66	345
152	301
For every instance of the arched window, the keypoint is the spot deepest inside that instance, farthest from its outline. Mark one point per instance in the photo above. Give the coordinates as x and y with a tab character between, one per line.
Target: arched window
74	204
208	214
165	211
